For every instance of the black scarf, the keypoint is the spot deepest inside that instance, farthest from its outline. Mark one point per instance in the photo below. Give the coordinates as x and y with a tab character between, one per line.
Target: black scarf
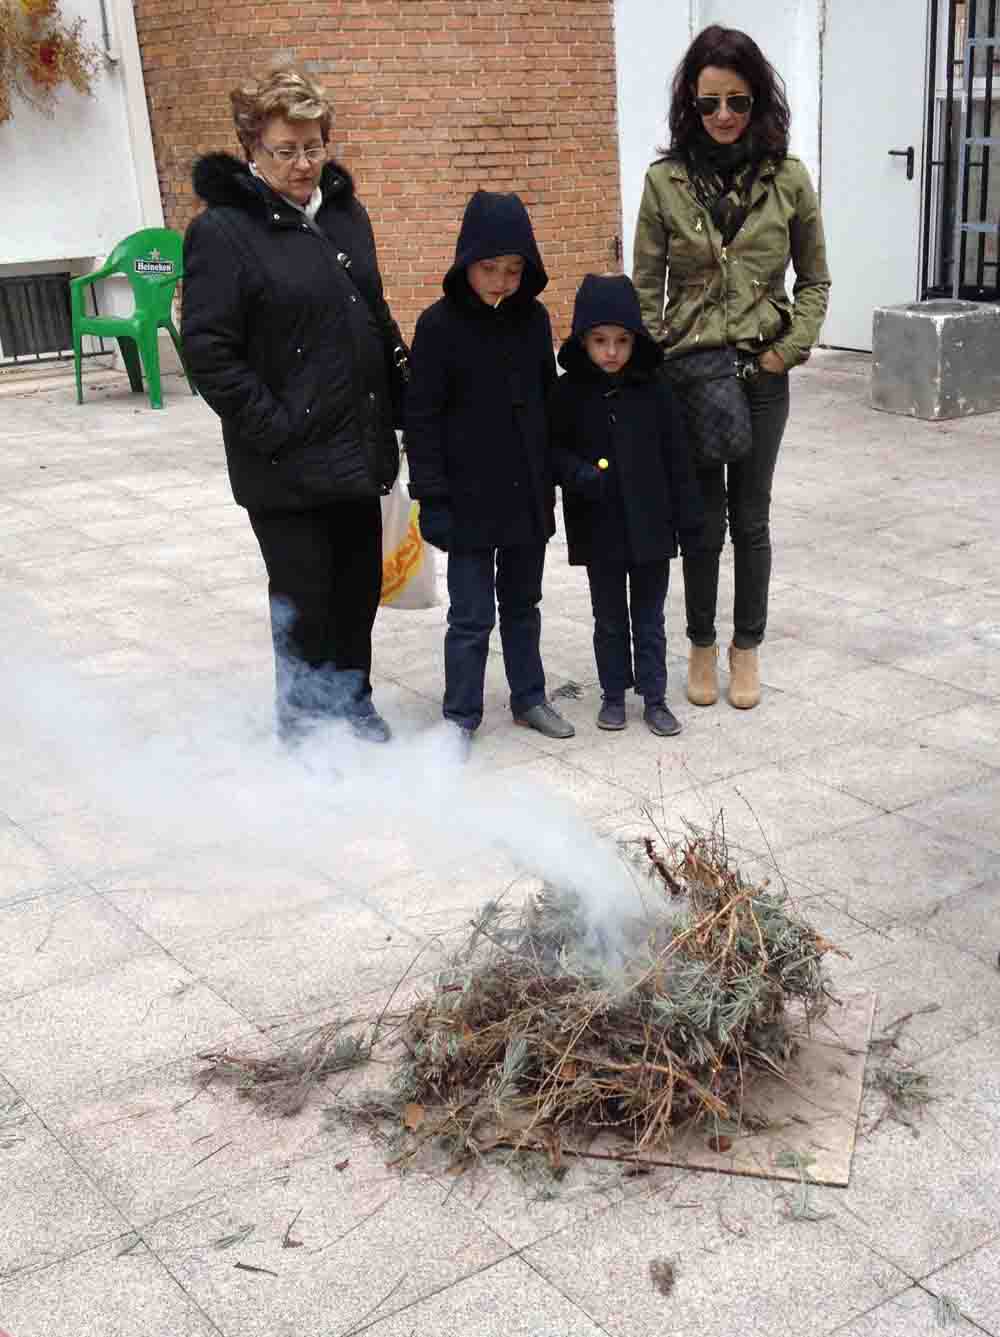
721	176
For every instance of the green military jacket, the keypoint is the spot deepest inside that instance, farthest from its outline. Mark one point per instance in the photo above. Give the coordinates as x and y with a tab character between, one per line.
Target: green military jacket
733	294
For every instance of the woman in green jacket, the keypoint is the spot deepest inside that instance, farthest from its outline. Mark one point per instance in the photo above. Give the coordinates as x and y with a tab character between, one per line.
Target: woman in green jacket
722	215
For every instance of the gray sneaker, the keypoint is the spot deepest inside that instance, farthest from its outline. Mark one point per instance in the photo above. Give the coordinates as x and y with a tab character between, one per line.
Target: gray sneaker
546	720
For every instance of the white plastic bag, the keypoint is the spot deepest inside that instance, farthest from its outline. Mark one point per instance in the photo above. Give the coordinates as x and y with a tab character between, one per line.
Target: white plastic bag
408	575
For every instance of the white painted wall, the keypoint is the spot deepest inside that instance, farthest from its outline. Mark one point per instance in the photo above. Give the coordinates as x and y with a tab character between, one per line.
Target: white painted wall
85	178
651	36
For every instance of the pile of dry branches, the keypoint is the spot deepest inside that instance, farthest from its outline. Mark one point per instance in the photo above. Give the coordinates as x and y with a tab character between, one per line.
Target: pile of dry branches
531	1038
543	1032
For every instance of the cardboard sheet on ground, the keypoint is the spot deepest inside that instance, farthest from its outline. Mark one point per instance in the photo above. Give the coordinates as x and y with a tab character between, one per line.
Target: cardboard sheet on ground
808	1118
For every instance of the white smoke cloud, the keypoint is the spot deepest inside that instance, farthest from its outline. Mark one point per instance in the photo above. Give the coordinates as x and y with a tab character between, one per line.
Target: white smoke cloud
214	777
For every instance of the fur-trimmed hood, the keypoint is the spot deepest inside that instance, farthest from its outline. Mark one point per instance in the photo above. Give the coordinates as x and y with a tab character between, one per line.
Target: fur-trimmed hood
221	179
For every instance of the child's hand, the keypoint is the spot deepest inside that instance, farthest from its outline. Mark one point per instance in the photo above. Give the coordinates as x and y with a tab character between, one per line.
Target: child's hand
588	481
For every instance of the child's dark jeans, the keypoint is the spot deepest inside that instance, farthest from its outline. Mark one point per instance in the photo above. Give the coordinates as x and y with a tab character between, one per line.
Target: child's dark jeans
628	612
479	582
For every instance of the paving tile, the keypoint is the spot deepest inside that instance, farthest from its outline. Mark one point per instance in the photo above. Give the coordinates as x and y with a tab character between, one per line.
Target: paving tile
302	959
62	936
968	921
508	1300
970	666
883	695
737	1269
971	814
950	1201
102	1291
202	894
27	866
890	772
49	1207
793	664
159	1142
77	1036
915	1313
973	1284
889	866
972	731
366	1233
909	973
770	807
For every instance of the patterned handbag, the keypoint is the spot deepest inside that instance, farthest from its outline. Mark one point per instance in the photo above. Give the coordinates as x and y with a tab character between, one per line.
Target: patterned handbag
716	406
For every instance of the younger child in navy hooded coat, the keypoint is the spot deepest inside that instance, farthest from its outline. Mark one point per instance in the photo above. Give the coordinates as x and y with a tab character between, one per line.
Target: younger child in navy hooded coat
620	453
481	368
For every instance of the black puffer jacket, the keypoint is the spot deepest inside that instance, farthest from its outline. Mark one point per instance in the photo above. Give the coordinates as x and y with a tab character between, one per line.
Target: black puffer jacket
476	432
650	495
283	343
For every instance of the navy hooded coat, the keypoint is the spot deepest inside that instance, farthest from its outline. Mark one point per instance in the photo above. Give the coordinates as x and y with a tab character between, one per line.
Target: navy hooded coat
650	496
284	345
476	430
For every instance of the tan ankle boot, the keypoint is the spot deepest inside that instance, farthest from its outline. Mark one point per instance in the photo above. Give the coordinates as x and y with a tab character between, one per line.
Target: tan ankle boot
744	678
703	677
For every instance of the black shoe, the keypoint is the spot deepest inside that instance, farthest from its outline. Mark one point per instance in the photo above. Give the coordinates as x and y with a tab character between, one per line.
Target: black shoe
661	720
368	725
612	715
546	720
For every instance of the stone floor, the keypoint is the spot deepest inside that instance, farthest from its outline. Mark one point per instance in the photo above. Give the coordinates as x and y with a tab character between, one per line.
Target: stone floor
170	884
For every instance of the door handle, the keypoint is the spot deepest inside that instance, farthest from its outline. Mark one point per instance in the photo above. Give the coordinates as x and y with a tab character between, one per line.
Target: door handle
908	155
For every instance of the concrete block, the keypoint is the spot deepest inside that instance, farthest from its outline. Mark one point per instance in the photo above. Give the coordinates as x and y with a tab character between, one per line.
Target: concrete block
936	359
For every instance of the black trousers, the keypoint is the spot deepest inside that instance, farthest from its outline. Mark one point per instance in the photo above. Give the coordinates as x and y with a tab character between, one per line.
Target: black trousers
744	490
628	612
478	582
324	569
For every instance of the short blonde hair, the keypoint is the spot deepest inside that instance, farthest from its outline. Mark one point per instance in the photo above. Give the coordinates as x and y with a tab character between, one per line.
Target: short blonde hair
285	92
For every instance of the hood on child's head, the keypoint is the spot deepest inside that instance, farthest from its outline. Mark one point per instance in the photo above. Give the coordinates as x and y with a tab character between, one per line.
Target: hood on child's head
608	299
496	224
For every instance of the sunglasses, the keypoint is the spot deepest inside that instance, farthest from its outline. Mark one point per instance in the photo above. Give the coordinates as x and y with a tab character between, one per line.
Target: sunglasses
738	103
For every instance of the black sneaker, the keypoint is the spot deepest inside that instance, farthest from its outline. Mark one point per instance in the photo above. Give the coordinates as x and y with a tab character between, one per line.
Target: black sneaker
661	720
612	715
546	720
368	725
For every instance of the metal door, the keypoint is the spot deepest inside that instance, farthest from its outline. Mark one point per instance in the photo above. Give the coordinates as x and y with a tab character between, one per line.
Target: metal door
873	100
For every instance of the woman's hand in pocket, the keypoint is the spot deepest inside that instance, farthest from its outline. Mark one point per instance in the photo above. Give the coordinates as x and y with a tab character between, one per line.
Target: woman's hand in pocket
771	361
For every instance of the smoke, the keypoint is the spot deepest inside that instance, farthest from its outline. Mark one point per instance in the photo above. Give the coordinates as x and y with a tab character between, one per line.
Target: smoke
211	777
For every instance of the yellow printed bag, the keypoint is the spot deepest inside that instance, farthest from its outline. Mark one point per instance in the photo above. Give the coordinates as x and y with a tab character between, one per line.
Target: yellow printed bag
408	574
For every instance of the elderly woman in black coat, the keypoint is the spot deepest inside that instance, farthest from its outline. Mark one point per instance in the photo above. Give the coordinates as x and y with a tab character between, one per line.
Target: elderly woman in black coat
290	341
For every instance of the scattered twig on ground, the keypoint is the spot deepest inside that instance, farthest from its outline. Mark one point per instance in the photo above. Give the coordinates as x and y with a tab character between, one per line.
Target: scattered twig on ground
211	1154
946	1311
250	1267
359	1323
570	689
800	1207
237	1237
287	1242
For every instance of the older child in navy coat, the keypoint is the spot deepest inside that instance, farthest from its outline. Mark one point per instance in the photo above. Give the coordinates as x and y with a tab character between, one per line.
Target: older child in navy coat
620	453
481	368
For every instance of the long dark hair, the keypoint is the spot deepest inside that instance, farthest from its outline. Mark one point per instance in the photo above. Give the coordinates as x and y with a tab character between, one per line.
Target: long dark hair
729	49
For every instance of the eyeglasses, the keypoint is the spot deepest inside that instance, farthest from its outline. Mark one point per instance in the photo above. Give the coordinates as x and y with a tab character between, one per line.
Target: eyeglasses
738	103
315	153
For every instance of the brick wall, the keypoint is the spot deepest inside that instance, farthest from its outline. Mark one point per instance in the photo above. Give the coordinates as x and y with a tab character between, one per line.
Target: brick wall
433	98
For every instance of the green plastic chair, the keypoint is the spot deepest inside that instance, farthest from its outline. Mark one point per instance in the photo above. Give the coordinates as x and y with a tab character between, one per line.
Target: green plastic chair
152	261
